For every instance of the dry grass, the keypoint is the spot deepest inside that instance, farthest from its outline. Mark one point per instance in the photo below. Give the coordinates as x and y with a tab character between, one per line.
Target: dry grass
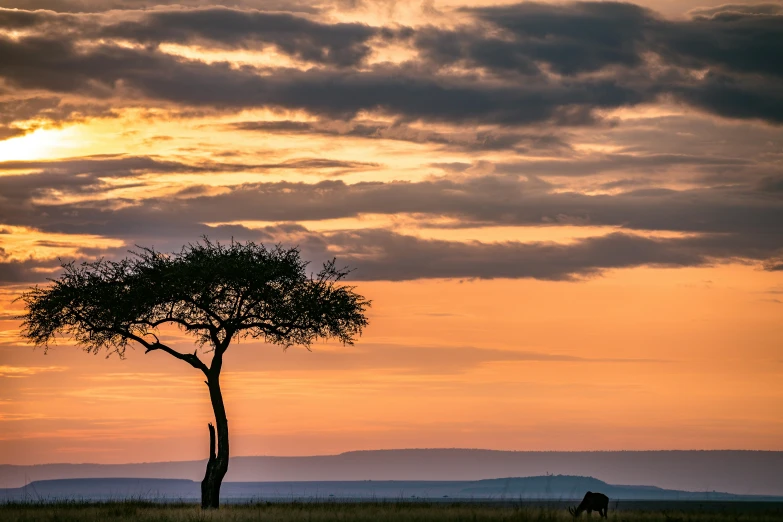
355	512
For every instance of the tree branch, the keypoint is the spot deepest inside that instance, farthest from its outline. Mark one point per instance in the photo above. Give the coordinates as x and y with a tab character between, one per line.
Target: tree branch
190	358
188	326
238	305
207	311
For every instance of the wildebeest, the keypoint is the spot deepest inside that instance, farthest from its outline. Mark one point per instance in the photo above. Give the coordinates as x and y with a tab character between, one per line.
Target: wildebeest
592	502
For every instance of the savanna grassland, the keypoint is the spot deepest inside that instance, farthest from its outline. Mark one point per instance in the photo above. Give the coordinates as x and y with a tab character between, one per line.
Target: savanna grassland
379	511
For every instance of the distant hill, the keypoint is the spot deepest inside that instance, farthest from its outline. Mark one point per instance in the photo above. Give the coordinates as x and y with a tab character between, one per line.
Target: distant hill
737	472
557	487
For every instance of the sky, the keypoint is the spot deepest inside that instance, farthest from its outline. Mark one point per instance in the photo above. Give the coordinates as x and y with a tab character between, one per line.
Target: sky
568	217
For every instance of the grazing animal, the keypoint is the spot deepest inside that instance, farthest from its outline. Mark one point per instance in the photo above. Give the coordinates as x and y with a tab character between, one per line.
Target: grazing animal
592	502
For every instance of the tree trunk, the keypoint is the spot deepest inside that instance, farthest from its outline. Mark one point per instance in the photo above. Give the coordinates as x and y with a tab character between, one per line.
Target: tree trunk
217	466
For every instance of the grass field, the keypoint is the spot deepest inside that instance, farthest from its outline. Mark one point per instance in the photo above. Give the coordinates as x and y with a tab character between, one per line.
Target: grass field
384	511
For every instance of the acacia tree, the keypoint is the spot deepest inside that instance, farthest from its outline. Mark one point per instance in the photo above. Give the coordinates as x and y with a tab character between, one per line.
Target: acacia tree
216	293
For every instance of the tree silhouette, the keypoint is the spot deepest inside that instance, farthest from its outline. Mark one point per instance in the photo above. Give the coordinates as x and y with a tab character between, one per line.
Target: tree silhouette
217	293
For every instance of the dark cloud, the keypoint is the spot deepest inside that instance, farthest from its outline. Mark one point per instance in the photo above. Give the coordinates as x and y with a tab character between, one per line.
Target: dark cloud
744	39
58	65
75	176
318	163
736	97
583	37
474	202
22	19
730	226
774	266
454	99
535	64
469	140
610	24
472	48
25	109
494	201
570	39
772	184
7	132
342	44
24	180
21	116
98	6
384	255
18	272
379	254
576	40
24	271
587	166
588	36
108	165
725	9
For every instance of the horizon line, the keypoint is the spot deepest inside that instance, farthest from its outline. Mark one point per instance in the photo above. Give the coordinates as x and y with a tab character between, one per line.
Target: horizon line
401	449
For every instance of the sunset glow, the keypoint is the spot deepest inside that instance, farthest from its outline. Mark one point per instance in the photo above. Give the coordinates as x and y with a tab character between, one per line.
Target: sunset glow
568	218
39	144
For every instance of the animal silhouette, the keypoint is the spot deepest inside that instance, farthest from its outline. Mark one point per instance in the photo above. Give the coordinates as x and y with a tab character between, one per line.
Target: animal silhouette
592	502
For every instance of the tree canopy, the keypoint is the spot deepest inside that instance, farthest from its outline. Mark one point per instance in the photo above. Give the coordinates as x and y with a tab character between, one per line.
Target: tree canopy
213	291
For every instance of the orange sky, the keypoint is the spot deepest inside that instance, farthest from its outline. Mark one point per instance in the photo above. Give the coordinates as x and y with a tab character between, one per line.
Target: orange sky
640	359
537	284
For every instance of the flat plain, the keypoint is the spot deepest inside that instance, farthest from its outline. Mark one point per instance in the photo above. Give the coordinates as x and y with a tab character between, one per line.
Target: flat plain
505	511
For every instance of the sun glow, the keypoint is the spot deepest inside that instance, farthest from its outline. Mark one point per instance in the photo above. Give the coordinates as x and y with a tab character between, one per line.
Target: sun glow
39	144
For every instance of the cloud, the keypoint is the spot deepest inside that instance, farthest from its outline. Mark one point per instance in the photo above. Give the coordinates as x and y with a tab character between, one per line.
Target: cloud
520	44
736	97
725	9
385	255
485	200
774	265
772	184
85	175
467	140
21	116
27	371
117	165
340	44
98	6
7	132
571	39
581	37
476	201
499	84
744	38
24	270
605	163
588	36
427	360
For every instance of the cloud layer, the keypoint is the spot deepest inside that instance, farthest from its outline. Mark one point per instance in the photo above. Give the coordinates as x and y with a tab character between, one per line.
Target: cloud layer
510	96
